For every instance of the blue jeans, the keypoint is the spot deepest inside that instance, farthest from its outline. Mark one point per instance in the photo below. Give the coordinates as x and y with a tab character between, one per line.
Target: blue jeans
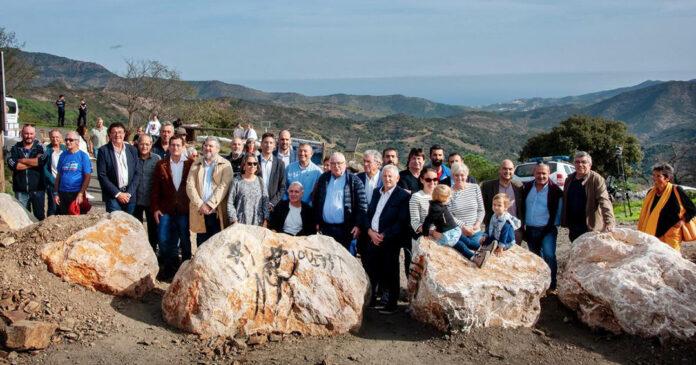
52	208
544	245
95	151
212	227
467	244
173	232
113	205
33	201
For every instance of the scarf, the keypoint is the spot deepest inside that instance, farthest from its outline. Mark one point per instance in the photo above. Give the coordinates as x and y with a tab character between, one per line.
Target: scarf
648	220
498	222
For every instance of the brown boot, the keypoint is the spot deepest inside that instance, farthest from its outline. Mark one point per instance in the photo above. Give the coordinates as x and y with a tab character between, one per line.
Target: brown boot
490	247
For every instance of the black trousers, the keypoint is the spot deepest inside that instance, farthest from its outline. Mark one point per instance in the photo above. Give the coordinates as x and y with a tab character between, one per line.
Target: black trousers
152	234
383	268
82	117
66	199
61	117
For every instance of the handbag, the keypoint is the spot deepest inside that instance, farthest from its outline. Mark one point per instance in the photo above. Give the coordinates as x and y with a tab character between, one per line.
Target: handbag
688	228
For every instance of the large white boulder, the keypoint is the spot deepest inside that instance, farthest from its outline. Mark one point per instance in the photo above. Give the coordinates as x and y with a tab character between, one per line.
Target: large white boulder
628	280
13	214
248	280
112	256
449	292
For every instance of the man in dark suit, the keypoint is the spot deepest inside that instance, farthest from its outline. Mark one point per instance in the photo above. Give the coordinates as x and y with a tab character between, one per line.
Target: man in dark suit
387	222
170	206
293	216
513	189
116	168
272	169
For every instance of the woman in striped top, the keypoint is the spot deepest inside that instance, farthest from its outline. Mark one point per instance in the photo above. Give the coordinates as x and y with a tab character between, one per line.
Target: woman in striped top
420	201
466	205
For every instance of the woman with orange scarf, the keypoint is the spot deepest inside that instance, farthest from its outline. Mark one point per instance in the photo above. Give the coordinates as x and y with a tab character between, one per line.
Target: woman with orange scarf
662	214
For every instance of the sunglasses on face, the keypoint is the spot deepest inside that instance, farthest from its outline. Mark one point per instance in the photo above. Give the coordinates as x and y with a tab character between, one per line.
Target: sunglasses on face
252	163
429	180
71	140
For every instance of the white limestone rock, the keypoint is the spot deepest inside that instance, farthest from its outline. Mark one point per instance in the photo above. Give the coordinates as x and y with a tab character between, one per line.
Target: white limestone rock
630	281
449	292
112	256
248	280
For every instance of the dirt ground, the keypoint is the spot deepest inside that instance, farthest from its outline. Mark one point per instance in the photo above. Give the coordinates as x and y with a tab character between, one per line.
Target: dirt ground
96	328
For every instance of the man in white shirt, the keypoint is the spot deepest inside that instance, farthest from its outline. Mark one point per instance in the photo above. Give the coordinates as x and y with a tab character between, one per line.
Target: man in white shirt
116	168
387	221
170	206
153	127
372	162
272	170
285	152
97	138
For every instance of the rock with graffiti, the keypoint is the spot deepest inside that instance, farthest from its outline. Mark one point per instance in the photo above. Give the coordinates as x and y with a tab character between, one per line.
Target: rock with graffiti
448	292
248	280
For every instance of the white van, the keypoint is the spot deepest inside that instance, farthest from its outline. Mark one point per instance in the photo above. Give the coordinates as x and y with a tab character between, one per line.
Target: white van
12	113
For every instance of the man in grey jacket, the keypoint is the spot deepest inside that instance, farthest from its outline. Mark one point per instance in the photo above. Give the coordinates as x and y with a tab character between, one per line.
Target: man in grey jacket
146	166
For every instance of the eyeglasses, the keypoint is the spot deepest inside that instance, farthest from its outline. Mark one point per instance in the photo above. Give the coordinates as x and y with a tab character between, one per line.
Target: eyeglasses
429	180
71	140
252	163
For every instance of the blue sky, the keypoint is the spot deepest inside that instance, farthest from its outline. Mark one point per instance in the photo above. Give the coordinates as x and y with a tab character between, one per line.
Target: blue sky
280	45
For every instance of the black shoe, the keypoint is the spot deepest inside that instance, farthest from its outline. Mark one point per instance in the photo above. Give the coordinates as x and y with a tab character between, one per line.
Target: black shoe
389	309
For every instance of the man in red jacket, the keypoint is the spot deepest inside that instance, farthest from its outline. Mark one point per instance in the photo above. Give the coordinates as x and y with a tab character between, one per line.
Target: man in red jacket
170	206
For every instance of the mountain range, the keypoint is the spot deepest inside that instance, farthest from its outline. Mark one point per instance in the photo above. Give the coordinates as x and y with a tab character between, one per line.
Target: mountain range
658	112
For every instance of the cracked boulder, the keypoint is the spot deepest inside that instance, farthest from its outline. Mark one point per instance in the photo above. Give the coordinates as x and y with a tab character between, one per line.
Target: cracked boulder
450	293
112	256
630	281
248	280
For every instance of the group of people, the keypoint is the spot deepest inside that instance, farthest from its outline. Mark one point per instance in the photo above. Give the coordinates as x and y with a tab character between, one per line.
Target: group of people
376	213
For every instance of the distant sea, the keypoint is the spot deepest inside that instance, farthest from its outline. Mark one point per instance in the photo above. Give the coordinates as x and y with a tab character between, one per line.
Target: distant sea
469	90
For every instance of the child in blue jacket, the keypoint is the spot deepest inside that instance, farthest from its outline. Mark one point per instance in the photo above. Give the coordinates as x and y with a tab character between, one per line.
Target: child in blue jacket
502	226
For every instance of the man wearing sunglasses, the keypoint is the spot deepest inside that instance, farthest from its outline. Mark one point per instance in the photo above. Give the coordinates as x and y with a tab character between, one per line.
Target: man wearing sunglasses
74	173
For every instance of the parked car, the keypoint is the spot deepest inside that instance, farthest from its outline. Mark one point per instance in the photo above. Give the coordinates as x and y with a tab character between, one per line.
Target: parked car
559	166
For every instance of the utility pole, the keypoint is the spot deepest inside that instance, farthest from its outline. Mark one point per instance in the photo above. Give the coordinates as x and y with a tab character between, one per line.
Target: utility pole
3	121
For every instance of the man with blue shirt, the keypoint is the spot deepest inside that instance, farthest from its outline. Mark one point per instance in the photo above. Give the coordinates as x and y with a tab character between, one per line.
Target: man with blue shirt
542	214
372	176
340	206
303	171
74	173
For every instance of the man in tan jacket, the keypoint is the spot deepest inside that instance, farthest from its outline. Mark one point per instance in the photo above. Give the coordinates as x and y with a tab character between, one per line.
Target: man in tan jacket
586	204
206	186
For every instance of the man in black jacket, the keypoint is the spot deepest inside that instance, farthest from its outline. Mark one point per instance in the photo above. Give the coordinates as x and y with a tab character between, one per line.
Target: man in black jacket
340	206
293	216
272	169
542	198
387	222
26	162
116	168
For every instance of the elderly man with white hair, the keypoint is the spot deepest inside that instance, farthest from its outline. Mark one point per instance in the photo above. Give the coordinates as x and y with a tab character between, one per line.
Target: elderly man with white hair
293	216
74	171
340	206
371	177
387	222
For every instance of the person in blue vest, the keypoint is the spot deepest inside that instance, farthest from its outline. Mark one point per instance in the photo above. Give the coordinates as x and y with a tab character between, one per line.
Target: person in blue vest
82	113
